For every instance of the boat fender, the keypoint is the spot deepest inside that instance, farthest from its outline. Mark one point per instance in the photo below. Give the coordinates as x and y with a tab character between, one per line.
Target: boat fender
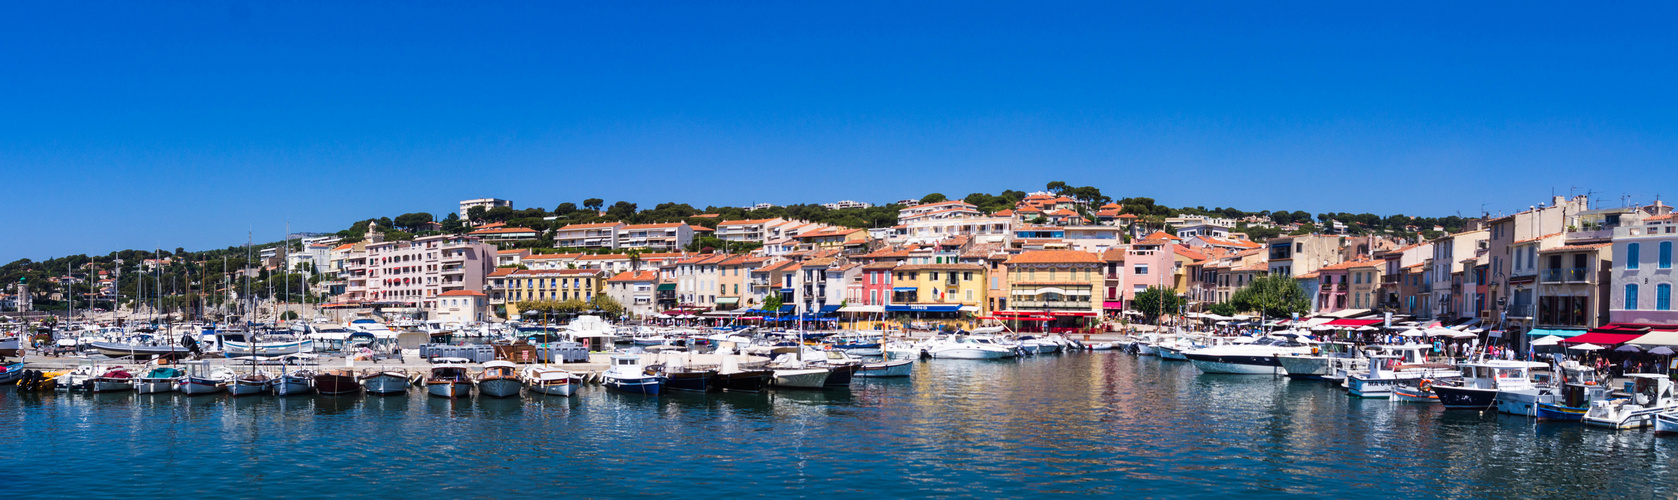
1425	386
1315	351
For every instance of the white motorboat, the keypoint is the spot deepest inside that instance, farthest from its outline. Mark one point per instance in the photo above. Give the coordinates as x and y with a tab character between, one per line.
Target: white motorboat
1104	346
1541	388
1327	361
628	374
499	379
548	380
449	382
116	379
295	383
1651	394
1251	358
1401	364
887	369
800	378
967	347
1666	422
385	381
239	349
252	384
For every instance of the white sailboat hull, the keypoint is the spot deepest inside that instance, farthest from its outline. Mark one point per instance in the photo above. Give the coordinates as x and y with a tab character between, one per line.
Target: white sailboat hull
898	368
385	383
801	379
499	388
155	386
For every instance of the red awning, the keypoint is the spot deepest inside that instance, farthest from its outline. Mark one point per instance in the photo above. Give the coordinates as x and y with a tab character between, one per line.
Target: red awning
1353	322
1112	304
1601	338
1052	313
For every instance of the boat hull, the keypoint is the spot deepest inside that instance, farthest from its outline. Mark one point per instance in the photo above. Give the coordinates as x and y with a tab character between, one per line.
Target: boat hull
889	369
197	387
1666	423
1235	365
800	379
112	350
840	376
247	388
552	387
1466	398
500	387
692	382
643	385
336	383
385	383
449	390
1553	412
156	385
112	385
1306	367
293	386
1410	394
1523	402
746	381
968	353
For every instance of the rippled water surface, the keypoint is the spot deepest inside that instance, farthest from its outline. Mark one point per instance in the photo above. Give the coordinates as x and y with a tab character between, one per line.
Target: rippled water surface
1077	424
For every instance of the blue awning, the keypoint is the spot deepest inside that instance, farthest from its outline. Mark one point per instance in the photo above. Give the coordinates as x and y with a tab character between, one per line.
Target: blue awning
903	289
829	308
1540	332
924	308
787	309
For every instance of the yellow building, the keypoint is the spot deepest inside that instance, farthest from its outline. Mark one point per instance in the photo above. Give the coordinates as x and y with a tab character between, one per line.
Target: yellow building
938	292
559	285
1054	283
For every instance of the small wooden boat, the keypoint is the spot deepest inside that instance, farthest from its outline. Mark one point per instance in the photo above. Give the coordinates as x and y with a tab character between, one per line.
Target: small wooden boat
11	372
1420	393
252	384
337	381
449	382
201	378
385	381
11	348
159	379
114	380
499	379
549	380
296	383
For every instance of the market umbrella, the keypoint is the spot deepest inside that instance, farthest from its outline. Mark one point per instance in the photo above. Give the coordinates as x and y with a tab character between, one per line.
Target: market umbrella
1413	332
1586	347
1661	351
1628	348
1547	340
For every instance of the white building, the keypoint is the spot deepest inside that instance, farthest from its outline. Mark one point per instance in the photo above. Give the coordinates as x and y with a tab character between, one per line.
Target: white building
842	204
487	203
461	306
634	291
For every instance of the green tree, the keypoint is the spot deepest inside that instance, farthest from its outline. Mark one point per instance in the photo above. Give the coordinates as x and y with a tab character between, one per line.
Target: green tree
933	198
594	204
606	305
412	222
1274	296
621	211
452	224
1154	301
1223	309
565	209
772	303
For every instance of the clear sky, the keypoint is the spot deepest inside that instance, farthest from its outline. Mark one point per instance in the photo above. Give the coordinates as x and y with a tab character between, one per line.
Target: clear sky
181	124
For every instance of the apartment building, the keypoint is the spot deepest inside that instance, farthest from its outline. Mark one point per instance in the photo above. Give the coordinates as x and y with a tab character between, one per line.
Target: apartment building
415	272
1060	283
1445	273
1642	283
598	235
942	210
1300	254
487	203
667	237
525	285
634	291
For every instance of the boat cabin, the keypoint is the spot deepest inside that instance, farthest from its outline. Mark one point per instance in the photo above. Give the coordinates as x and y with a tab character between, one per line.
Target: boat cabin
1651	390
450	373
1499	374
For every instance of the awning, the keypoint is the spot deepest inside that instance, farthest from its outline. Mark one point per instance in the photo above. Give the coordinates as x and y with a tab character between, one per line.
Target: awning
1112	304
1353	322
863	309
787	308
924	308
1600	338
829	308
903	289
1651	339
1540	332
1346	313
727	301
971	309
666	287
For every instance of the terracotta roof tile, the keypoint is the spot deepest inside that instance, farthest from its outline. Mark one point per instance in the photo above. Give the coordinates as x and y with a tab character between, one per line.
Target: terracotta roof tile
1055	257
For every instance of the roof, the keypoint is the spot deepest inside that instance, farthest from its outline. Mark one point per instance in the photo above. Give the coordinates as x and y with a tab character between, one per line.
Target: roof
1127	216
635	276
941	267
461	293
555	272
1161	235
941	203
510	252
708	216
553	256
1055	257
1575	248
504	230
703	229
502	271
743	222
832	231
1352	264
885	264
569	227
1113	255
1308	275
1004	213
654	226
1184	251
1530	240
1660	217
345	246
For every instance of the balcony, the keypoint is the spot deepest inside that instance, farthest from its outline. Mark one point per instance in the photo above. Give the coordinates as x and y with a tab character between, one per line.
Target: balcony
1390	279
1519	310
1563	275
1050	304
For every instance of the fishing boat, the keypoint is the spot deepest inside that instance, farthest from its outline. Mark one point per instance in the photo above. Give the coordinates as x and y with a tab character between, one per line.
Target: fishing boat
1651	394
449	382
337	381
11	372
792	373
159	379
385	381
254	383
1578	389
548	380
1666	422
731	377
888	369
628	374
499	379
201	378
295	383
1541	388
1397	365
1256	356
1481	381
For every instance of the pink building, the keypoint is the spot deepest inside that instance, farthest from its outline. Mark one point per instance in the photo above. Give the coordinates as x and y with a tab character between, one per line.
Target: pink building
876	283
414	273
1148	263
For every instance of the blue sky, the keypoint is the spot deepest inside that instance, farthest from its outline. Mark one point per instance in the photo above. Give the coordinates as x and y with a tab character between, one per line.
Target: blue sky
133	125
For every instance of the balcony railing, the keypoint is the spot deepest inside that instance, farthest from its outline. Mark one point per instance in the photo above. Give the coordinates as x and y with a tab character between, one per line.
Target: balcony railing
1560	275
1390	279
1520	310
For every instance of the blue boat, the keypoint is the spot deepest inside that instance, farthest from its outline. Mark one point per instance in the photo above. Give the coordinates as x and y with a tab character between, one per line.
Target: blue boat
1575	399
628	374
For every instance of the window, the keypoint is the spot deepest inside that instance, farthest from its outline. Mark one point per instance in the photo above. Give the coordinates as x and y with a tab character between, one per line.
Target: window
1631	297
1632	252
1666	255
933	276
967	276
1663	297
1141	269
969	295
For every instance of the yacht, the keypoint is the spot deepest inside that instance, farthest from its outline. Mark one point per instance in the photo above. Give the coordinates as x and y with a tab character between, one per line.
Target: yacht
1651	394
1255	357
966	347
1481	381
1332	361
1401	364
